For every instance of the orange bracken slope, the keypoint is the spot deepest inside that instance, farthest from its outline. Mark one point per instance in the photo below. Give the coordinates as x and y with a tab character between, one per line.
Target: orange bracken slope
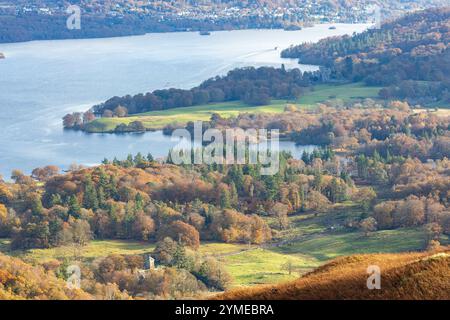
403	276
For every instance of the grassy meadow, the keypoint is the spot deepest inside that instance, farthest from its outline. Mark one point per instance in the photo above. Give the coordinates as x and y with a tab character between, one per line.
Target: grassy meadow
156	120
95	249
264	266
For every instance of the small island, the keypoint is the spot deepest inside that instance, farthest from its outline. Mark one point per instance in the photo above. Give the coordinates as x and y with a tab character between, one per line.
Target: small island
2	56
292	27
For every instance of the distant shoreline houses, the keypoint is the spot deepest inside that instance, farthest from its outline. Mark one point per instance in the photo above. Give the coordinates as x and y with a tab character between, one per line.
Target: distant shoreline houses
290	15
46	20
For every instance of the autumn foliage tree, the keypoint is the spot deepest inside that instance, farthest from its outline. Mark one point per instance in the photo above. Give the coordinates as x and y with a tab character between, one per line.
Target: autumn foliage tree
181	232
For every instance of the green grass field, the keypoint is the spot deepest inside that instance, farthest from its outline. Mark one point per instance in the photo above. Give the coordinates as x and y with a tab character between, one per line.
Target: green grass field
255	265
95	249
218	249
345	92
330	246
156	120
313	236
263	266
247	265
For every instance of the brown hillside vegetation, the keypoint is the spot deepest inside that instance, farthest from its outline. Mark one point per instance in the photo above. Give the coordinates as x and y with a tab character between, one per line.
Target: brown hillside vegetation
21	281
403	276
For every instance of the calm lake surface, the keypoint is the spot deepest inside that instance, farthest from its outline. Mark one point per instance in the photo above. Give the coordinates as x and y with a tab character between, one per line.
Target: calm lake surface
42	81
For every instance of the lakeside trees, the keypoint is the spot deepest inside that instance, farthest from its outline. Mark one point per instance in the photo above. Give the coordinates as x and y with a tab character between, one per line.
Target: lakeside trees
254	86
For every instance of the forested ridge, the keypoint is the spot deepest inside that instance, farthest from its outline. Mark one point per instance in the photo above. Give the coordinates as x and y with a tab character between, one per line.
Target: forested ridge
19	28
255	86
410	56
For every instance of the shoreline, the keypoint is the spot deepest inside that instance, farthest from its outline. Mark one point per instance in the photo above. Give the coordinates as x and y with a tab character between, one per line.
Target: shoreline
184	31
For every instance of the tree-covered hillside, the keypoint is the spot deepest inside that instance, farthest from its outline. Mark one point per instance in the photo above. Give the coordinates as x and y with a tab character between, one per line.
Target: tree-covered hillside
410	56
26	20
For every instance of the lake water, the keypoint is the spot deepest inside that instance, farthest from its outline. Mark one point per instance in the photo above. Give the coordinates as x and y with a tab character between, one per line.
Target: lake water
43	80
